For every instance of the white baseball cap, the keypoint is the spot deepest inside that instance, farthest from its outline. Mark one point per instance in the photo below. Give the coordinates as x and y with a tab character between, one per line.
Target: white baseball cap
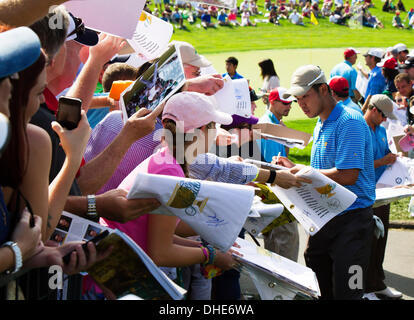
375	52
189	54
400	47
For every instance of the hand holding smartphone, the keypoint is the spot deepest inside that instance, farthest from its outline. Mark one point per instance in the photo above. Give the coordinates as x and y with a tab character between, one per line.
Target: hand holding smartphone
69	112
95	240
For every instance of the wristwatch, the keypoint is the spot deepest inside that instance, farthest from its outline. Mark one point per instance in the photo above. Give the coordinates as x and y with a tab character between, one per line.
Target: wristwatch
91	213
272	177
18	261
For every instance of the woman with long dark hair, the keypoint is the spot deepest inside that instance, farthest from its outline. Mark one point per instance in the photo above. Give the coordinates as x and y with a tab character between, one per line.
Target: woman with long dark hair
30	150
19	235
269	76
26	165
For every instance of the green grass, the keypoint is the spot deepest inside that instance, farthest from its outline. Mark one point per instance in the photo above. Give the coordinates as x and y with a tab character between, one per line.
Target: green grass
298	155
287	36
286	62
399	210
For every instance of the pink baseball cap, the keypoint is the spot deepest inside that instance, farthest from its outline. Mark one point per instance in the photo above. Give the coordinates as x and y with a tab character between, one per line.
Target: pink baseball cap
194	110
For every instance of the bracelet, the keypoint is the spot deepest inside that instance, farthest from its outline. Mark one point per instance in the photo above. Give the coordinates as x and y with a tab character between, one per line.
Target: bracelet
272	176
18	261
205	253
211	254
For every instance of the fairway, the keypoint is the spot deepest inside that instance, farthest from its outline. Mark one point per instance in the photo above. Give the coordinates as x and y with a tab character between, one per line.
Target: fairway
286	62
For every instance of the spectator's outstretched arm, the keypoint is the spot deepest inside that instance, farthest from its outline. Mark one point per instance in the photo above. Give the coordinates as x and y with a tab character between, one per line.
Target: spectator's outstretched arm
113	205
85	85
208	84
73	143
137	127
25	12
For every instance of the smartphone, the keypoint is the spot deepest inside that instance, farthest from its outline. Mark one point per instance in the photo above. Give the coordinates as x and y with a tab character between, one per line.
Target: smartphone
95	240
69	112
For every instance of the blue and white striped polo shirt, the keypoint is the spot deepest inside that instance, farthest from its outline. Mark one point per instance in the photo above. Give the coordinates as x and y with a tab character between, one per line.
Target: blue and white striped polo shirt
344	141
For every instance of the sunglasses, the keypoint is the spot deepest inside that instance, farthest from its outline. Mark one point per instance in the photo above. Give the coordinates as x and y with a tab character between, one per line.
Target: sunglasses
382	113
79	29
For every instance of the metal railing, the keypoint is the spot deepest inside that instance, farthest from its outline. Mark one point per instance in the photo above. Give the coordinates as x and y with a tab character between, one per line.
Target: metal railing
34	285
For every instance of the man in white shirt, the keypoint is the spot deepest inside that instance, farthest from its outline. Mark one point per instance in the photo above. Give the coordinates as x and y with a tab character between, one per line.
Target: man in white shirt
296	18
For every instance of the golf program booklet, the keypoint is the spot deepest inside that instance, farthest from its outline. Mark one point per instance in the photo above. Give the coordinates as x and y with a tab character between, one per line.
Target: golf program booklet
313	205
151	37
400	173
127	270
209	208
387	195
242	95
283	135
276	277
162	79
226	97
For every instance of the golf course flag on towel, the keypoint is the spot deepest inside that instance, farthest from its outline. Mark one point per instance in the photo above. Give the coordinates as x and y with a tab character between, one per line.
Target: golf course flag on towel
313	19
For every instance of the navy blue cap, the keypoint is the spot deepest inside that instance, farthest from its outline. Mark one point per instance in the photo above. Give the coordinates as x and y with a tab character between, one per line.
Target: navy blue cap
19	49
78	32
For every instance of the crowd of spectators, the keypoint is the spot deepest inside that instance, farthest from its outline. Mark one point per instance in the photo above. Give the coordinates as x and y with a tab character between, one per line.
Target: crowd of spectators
341	12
